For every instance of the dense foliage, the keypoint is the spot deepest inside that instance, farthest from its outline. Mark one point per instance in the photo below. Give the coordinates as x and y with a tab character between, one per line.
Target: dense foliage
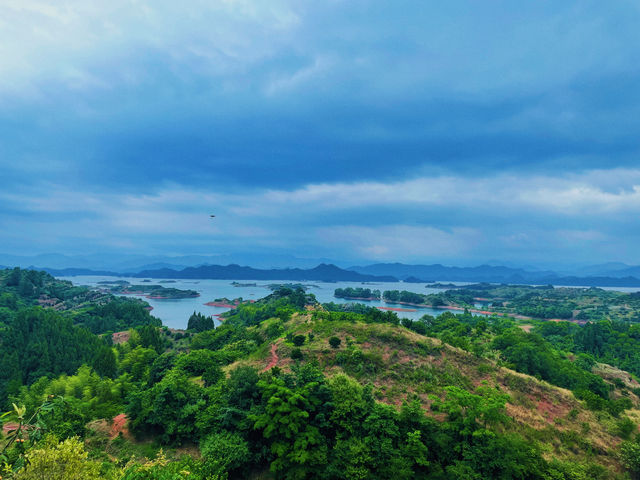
40	343
118	314
285	388
613	342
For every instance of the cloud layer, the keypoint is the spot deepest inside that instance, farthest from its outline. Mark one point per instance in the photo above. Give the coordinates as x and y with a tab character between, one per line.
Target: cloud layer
363	130
525	218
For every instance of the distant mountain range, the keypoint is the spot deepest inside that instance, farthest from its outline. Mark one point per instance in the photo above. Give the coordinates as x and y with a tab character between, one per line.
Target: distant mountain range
482	273
609	274
135	263
370	273
75	272
499	274
323	272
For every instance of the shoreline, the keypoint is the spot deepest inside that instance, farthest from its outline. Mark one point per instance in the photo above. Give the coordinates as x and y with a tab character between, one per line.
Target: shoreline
396	309
220	304
362	299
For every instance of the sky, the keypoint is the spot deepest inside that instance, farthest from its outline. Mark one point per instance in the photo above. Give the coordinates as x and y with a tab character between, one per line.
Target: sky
457	132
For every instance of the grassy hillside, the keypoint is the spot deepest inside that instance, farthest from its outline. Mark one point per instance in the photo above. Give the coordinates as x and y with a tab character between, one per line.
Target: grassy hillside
288	388
403	365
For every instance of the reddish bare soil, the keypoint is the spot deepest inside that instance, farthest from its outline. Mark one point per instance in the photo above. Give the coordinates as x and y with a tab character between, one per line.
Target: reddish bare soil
551	411
119	426
10	427
220	304
121	337
274	358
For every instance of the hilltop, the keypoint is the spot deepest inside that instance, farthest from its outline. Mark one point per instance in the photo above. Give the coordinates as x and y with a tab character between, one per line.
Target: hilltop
402	366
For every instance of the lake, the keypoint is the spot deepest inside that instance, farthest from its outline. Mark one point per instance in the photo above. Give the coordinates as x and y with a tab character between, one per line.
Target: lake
175	313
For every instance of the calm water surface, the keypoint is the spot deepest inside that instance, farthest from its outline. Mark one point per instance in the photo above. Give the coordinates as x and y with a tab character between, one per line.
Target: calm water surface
175	313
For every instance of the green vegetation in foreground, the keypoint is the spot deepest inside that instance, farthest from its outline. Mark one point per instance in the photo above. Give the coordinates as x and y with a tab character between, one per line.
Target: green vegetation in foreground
286	388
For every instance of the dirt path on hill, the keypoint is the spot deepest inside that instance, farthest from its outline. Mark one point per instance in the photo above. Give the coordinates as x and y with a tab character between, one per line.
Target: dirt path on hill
274	358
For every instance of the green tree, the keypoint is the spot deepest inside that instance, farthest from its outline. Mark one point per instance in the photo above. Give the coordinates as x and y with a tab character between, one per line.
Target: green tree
224	452
105	362
352	403
468	412
201	363
630	456
200	323
288	423
150	338
138	363
168	409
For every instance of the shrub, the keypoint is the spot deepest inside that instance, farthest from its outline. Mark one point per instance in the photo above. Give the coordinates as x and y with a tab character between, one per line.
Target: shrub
274	329
66	460
296	354
162	469
335	342
630	456
223	452
624	428
298	340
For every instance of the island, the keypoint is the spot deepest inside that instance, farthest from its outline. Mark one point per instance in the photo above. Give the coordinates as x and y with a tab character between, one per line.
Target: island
155	292
224	302
365	294
293	286
443	286
113	282
412	279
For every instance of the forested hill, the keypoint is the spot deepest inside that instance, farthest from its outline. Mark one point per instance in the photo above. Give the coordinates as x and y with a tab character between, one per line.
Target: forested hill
286	388
96	310
323	272
49	327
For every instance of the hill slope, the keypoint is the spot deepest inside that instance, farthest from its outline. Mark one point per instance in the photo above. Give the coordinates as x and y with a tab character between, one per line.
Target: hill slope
402	366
